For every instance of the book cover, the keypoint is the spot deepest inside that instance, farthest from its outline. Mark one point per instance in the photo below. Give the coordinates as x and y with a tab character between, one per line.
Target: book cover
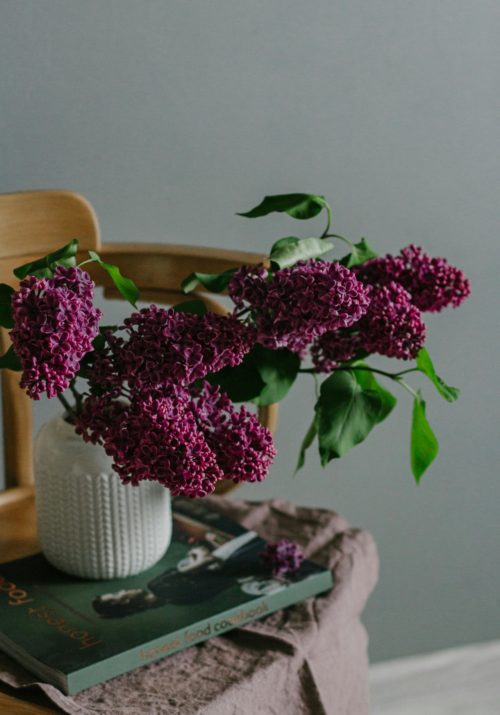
75	633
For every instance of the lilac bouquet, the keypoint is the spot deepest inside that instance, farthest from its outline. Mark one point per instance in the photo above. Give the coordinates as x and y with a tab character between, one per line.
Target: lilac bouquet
159	391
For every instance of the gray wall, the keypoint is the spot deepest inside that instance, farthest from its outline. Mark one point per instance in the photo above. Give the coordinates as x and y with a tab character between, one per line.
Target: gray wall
170	116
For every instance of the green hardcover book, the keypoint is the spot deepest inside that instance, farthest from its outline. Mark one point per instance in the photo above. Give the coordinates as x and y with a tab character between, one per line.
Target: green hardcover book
75	633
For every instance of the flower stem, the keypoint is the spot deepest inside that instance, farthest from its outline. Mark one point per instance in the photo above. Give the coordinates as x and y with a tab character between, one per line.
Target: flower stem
64	402
316	384
391	375
78	397
83	263
408	388
395	376
341	238
328	221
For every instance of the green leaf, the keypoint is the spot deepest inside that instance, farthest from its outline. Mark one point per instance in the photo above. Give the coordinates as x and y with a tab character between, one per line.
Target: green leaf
44	267
241	383
287	251
43	272
346	413
360	253
306	443
264	376
300	206
99	342
367	381
214	282
425	365
126	286
197	307
277	369
10	360
424	446
6	319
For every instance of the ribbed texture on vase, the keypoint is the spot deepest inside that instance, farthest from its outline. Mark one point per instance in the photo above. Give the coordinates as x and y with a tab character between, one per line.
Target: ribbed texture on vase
89	523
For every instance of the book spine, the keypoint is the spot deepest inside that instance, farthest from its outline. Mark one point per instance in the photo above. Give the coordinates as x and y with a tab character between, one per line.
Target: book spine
198	632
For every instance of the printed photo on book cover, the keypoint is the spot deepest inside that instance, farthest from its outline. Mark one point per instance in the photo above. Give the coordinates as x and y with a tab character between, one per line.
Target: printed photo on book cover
215	562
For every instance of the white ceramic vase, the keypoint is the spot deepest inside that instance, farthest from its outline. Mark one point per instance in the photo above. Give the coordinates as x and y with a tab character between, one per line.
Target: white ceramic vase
89	523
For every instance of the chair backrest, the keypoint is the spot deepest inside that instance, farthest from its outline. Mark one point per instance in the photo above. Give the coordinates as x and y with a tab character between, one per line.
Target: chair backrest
37	222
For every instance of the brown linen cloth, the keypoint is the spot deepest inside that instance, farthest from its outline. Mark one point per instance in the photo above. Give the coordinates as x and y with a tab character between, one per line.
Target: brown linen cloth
309	659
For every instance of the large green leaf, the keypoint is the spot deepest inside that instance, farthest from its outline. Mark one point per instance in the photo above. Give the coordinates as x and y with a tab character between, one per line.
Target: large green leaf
367	381
300	206
44	267
10	360
424	446
287	251
360	253
126	286
306	443
277	369
264	376
6	319
346	413
425	365
241	383
214	282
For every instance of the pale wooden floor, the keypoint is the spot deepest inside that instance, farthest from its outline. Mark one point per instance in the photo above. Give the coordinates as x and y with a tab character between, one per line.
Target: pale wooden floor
459	681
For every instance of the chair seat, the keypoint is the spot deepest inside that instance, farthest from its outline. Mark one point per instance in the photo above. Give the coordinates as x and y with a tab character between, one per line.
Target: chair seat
18	536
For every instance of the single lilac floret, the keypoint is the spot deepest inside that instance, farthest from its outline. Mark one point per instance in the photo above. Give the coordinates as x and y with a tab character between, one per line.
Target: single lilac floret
282	558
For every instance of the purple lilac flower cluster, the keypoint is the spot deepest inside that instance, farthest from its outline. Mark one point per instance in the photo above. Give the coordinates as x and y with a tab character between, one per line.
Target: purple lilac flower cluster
162	346
185	443
55	324
282	558
432	283
168	346
152	420
298	304
243	447
248	286
399	287
333	348
154	437
148	404
392	326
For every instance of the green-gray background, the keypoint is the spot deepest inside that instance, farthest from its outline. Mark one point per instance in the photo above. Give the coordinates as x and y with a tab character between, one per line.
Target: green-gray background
170	116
